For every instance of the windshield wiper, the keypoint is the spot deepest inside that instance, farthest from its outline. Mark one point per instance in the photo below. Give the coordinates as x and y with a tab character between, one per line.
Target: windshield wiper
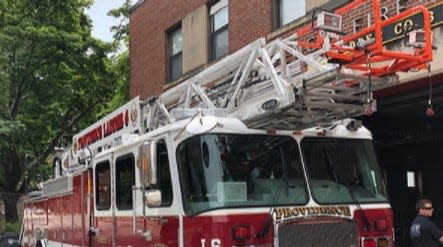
284	181
367	226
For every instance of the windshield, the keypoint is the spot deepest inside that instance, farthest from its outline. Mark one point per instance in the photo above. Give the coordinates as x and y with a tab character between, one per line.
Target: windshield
227	170
339	169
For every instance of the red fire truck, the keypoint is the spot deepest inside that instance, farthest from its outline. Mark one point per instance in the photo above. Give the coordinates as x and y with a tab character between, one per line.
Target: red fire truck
246	153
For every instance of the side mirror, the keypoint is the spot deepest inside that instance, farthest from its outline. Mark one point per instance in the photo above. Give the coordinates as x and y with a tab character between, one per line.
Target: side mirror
153	198
148	163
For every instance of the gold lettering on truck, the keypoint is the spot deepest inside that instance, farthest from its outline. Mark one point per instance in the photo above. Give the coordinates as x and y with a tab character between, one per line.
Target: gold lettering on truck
289	212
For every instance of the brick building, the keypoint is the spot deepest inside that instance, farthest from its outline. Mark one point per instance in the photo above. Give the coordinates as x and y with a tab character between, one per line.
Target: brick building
153	25
172	40
157	25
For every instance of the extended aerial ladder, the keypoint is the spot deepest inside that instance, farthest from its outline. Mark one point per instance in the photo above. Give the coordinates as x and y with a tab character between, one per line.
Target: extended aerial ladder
313	77
291	83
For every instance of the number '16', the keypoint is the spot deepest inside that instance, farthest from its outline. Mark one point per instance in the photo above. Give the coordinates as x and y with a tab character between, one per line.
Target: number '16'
214	242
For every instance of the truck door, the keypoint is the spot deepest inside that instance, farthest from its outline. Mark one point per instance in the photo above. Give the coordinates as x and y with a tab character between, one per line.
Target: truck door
124	200
66	209
102	223
161	220
403	187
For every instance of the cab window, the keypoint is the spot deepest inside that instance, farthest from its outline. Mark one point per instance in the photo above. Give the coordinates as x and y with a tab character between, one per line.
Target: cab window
164	174
124	180
103	186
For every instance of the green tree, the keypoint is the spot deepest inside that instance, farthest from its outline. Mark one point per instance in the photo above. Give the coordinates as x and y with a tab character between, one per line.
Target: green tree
120	62
54	79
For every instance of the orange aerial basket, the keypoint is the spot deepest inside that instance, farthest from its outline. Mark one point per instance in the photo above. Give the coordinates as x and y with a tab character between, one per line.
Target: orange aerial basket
361	58
364	51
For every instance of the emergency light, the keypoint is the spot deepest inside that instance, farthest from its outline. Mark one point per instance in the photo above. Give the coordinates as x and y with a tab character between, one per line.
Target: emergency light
329	21
417	37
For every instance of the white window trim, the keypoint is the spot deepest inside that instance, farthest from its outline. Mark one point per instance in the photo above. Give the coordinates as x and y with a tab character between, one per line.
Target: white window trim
218	6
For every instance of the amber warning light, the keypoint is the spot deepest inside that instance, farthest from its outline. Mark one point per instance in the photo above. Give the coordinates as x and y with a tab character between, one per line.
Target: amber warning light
241	232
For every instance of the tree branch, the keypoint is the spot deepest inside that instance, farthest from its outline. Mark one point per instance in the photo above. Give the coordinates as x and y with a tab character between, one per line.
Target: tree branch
50	148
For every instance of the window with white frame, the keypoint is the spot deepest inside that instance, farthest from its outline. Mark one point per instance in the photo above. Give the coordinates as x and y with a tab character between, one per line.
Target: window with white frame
289	11
124	181
164	174
219	35
103	186
175	54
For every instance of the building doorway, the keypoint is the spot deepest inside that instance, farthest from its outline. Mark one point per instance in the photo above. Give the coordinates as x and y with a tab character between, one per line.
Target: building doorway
410	147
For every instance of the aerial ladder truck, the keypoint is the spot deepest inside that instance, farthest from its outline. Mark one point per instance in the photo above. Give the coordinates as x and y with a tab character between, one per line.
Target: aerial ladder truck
259	149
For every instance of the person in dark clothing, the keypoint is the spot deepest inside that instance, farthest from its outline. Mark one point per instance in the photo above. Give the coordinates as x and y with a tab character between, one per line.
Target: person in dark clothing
423	232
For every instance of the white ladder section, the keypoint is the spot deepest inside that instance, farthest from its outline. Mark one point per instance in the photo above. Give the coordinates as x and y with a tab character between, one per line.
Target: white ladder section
274	85
288	83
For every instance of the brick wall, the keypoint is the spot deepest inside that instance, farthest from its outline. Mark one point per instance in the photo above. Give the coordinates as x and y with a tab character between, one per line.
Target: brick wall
149	23
148	26
248	20
390	5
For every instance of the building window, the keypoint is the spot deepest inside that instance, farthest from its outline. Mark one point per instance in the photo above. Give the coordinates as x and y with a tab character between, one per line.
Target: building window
164	174
124	180
103	186
219	35
289	11
175	54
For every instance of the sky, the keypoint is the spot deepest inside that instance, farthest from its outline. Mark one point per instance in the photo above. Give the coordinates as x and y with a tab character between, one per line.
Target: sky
100	20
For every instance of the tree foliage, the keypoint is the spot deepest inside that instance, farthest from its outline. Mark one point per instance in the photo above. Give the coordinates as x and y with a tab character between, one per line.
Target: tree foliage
121	30
54	80
120	62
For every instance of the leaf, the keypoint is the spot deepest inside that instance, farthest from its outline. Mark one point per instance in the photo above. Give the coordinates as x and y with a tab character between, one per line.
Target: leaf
55	79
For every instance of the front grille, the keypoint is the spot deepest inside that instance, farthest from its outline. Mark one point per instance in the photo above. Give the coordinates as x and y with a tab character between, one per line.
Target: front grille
316	233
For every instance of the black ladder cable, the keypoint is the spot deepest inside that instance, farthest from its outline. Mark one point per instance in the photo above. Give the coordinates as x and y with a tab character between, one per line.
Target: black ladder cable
429	111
